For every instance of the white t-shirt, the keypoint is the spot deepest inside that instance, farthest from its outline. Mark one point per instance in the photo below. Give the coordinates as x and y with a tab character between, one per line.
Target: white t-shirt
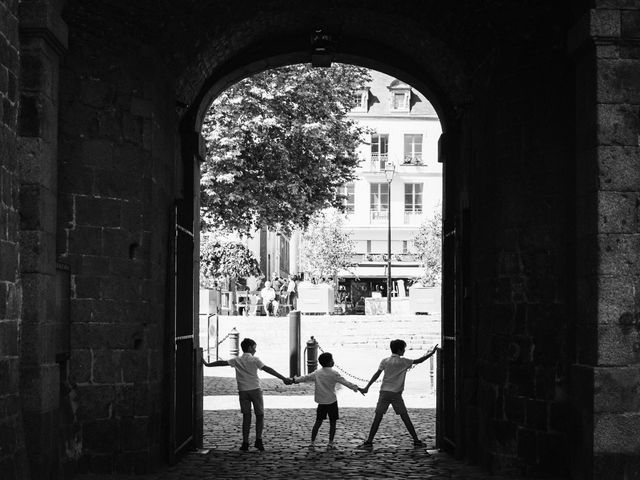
325	380
395	369
268	294
246	366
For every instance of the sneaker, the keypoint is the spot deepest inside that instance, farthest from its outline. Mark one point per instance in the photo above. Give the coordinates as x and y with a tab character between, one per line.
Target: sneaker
419	444
244	447
366	445
259	445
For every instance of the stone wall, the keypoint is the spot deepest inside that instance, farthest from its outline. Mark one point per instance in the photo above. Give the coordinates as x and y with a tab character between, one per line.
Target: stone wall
545	238
606	372
517	259
335	333
13	463
117	154
44	332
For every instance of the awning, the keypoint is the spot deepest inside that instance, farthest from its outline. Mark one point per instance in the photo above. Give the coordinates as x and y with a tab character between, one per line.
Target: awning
380	271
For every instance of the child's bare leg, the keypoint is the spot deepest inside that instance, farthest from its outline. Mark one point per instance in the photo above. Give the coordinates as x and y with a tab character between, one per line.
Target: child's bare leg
374	426
246	426
407	423
332	430
314	430
259	426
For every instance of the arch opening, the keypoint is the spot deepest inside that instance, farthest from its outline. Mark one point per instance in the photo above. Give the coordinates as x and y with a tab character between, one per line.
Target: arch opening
219	85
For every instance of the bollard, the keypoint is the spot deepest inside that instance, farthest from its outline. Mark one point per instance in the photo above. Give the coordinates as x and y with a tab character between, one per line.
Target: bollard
234	348
312	355
294	343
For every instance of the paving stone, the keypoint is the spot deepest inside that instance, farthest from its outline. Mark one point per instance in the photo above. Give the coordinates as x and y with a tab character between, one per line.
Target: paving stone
288	454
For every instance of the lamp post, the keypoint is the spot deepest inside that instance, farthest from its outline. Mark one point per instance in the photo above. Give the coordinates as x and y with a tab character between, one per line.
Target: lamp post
389	170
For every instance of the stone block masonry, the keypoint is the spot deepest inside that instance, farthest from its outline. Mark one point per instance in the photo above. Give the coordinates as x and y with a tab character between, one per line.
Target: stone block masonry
116	204
13	455
98	136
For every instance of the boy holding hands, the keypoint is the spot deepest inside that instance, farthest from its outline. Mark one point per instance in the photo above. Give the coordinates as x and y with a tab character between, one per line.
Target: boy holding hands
395	369
249	390
325	394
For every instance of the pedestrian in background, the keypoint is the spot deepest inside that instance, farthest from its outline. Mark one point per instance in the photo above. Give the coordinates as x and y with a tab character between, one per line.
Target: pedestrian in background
269	302
325	381
249	391
292	292
395	370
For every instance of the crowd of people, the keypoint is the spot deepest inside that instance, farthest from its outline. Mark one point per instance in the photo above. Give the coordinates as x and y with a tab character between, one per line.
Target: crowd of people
277	292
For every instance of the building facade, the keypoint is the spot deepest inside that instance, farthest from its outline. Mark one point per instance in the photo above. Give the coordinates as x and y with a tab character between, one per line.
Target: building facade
404	131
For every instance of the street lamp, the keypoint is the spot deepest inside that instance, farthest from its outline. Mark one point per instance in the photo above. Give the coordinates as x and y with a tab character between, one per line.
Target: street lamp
389	170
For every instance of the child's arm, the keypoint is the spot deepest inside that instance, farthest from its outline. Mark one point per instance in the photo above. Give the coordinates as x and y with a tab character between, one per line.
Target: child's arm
340	379
305	378
271	371
425	356
217	363
373	379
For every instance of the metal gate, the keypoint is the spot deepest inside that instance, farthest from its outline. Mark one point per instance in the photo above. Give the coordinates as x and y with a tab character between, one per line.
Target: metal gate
182	367
448	424
447	368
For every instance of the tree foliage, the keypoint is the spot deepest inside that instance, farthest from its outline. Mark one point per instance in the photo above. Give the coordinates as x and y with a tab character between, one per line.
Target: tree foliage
427	244
221	260
279	145
327	246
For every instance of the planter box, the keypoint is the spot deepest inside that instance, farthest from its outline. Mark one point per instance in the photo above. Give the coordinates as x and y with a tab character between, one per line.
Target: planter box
315	298
424	299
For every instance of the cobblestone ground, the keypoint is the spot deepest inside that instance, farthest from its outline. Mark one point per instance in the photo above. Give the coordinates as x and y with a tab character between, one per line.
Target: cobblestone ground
288	454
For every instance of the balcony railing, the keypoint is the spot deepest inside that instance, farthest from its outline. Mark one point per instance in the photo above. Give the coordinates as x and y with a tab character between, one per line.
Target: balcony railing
378	216
382	257
415	159
412	217
378	161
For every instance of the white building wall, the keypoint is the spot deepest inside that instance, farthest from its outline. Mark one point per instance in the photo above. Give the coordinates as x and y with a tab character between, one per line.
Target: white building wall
381	120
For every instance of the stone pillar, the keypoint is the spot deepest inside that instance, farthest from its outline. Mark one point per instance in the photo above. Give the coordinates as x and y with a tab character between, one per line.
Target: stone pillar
606	368
13	462
43	39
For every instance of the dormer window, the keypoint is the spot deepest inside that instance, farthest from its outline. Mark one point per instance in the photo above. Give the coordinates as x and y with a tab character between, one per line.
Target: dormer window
360	101
400	97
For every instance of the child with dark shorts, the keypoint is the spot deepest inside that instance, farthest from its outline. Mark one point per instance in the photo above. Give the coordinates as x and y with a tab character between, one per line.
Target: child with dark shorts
325	395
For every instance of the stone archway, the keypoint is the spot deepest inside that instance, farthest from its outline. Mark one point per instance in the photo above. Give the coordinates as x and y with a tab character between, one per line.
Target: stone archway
539	217
234	71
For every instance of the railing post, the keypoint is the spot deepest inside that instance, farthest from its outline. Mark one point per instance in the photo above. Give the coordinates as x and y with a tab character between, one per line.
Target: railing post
433	362
234	348
294	343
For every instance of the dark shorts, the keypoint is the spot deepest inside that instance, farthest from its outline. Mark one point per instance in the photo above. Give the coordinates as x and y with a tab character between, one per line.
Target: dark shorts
249	397
330	409
390	398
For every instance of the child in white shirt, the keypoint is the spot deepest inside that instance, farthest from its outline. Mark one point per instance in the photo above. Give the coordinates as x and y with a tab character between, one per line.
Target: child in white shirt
325	394
395	369
249	391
